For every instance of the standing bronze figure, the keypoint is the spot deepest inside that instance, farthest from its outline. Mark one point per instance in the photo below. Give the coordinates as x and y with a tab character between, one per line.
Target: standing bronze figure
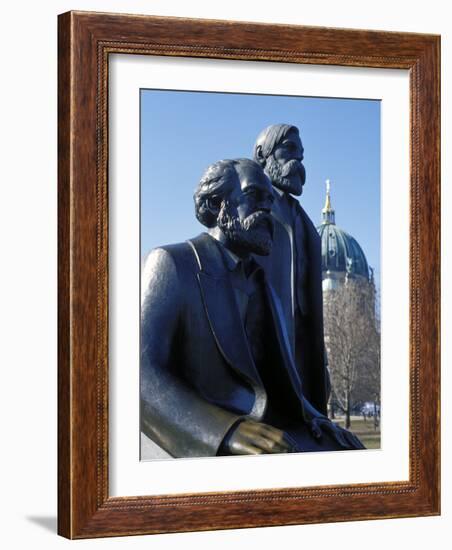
294	265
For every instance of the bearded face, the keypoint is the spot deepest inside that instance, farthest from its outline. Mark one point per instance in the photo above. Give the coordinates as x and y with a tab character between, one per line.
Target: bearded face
289	176
253	234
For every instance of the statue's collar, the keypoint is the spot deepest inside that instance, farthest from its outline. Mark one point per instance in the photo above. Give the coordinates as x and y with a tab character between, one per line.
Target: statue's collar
278	192
213	257
247	266
231	260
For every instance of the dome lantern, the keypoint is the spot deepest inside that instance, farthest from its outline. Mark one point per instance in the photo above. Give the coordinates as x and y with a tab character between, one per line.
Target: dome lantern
328	211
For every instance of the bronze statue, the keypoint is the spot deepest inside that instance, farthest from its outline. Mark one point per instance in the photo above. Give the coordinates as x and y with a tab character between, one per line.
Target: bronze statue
217	371
294	265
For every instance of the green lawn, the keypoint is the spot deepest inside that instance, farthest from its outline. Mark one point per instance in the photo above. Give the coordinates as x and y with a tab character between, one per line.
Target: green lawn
364	430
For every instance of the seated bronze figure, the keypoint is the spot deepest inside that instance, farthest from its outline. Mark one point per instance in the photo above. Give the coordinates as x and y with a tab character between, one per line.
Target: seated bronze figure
218	375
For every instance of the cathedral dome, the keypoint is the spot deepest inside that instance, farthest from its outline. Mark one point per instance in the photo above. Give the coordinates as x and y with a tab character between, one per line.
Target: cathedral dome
342	256
341	252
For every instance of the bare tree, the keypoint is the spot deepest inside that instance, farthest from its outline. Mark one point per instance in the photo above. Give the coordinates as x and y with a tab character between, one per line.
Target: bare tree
353	344
369	379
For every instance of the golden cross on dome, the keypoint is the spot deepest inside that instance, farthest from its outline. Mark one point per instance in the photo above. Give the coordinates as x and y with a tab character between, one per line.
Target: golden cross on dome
328	212
328	198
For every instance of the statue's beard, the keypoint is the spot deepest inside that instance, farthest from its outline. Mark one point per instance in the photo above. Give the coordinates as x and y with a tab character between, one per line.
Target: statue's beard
254	234
289	177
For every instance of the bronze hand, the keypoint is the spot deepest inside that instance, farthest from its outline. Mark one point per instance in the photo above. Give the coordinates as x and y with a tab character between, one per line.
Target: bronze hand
251	437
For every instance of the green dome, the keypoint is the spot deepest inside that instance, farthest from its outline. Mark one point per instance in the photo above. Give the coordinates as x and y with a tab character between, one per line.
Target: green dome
341	253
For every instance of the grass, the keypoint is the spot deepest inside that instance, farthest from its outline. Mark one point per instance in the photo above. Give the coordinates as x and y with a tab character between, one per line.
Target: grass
364	430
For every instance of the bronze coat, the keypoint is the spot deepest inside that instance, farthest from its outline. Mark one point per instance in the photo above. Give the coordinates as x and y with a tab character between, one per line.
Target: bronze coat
301	297
197	374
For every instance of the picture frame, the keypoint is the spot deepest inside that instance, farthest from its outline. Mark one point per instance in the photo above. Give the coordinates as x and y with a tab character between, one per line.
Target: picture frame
86	40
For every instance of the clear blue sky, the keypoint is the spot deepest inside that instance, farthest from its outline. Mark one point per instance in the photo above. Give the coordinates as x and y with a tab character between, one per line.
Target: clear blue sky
183	132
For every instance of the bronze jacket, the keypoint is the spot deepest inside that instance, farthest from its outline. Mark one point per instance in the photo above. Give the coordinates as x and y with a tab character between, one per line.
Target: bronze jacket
294	270
197	374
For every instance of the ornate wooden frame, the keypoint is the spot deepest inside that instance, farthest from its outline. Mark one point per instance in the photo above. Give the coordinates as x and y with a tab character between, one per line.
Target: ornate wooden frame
85	42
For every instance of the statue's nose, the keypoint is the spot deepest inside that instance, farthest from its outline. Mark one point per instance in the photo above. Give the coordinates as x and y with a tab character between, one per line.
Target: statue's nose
266	205
300	154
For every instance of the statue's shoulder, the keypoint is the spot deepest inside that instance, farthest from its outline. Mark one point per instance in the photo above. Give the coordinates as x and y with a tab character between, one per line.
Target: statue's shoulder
169	271
176	251
171	258
183	260
190	256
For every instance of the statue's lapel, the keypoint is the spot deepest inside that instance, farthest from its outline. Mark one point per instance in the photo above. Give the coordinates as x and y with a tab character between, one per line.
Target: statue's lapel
313	251
222	311
283	340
